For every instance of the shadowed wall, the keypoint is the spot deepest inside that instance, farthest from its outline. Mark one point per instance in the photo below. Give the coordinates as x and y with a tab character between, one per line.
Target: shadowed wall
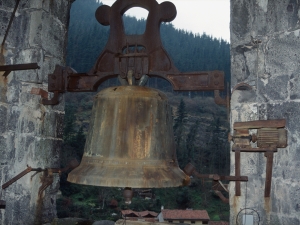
30	133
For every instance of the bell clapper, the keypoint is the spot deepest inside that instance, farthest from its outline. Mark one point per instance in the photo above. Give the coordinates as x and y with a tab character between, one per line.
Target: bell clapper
128	194
130	78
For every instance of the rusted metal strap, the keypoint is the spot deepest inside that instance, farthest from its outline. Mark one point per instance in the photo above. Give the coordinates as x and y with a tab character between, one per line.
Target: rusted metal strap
270	156
250	149
66	79
39	91
234	178
197	81
217	177
9	68
237	172
259	124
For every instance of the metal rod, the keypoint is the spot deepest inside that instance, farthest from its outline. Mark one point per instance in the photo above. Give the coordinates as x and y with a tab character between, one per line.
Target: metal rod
238	172
270	156
26	66
14	179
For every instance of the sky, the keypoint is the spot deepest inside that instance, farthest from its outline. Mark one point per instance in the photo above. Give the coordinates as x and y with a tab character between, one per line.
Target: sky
198	16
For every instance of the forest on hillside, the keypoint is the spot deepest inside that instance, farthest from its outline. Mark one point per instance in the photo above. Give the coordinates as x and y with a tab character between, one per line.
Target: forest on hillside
200	126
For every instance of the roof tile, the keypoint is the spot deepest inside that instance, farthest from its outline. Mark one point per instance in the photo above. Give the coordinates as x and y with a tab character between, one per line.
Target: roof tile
185	214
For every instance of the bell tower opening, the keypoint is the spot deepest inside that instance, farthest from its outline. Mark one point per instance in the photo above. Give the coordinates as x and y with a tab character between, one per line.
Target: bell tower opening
133	28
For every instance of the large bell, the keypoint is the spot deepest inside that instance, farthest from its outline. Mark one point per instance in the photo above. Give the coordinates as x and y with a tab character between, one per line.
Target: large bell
130	141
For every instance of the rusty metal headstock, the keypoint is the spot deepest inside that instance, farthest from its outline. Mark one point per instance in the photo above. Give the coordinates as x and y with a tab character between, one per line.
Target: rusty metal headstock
152	58
138	54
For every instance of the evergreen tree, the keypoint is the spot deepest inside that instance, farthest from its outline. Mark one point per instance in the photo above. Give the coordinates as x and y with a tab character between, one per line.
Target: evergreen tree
78	143
179	132
69	125
190	141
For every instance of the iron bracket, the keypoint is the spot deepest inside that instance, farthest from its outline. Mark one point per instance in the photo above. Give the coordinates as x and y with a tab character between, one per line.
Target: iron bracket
270	136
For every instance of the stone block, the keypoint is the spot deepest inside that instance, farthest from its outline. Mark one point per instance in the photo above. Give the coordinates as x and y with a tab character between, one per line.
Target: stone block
28	99
274	88
3	150
48	152
3	118
48	67
35	28
13	117
286	15
262	111
22	148
295	85
286	110
52	42
59	125
281	57
40	122
17	37
4	20
287	220
29	56
239	70
240	18
244	96
13	90
28	121
58	8
7	149
52	124
3	89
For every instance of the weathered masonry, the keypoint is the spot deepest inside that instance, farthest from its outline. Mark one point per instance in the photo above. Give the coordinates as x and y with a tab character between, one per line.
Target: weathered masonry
30	132
265	67
265	43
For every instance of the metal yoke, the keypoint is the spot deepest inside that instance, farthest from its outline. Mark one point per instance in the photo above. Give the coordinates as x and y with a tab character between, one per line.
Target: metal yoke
142	54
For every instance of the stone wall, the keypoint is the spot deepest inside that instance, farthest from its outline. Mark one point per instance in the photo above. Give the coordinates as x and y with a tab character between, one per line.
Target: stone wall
30	133
265	53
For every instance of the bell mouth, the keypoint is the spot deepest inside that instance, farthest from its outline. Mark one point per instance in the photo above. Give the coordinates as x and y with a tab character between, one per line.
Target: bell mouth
128	173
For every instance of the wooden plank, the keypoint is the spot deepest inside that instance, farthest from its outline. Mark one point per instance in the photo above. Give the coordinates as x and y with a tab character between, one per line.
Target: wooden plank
250	149
259	124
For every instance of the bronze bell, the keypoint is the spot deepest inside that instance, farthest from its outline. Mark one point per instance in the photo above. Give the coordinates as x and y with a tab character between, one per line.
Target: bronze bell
130	142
